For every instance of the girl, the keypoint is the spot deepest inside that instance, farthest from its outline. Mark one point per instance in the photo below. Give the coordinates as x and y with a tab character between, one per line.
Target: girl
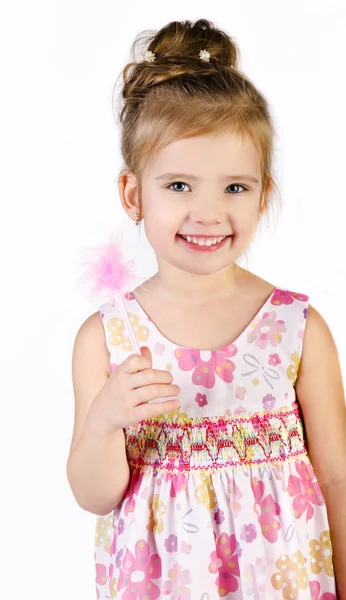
236	487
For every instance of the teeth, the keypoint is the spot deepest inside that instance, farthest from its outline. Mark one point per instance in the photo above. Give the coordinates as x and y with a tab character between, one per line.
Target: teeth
203	241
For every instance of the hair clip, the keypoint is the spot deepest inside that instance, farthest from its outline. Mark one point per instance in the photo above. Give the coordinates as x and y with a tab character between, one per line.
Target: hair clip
204	55
149	56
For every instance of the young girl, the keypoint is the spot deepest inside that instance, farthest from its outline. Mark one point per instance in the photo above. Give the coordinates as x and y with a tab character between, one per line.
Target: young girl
239	490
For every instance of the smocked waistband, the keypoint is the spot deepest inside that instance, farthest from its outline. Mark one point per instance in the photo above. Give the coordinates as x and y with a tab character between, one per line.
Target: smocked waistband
209	443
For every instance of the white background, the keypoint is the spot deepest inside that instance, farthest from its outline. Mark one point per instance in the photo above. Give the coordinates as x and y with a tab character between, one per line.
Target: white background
60	159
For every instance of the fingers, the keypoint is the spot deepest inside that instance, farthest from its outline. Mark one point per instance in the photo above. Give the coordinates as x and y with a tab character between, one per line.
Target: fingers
148	411
152	392
135	363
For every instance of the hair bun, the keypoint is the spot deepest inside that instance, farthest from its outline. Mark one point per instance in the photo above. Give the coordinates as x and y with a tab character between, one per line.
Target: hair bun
182	41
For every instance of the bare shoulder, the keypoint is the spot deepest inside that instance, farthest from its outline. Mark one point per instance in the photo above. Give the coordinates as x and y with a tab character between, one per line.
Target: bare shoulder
91	339
318	344
90	369
320	394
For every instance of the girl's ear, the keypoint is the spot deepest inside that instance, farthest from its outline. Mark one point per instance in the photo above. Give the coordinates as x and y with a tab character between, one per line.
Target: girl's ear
127	186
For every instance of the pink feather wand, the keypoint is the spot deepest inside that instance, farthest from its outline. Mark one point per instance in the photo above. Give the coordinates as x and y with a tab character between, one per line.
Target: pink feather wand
111	273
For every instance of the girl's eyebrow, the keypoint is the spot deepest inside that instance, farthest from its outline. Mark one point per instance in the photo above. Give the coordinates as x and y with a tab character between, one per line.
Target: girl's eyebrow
194	178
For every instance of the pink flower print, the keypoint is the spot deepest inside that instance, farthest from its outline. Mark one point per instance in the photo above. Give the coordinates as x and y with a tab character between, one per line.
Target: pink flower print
286	297
235	495
219	516
268	402
138	572
201	399
185	548
261	335
145	492
266	509
240	392
176	585
171	543
315	589
101	574
274	359
178	482
132	490
204	370
225	562
248	533
305	490
159	349
255	577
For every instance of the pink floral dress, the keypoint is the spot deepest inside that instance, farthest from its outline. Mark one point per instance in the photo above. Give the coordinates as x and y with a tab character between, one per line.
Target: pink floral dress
223	501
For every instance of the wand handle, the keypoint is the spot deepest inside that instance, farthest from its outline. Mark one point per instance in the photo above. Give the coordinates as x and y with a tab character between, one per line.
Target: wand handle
126	320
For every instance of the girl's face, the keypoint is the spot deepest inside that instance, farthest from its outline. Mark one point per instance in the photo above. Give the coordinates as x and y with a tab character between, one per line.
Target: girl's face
214	189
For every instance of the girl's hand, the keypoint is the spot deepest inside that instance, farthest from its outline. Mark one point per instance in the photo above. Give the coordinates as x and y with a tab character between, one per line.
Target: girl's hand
123	400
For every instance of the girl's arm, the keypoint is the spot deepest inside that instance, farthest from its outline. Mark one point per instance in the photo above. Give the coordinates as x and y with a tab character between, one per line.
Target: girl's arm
97	467
321	397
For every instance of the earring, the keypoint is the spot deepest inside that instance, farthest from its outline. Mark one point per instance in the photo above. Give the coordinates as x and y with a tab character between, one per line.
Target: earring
136	216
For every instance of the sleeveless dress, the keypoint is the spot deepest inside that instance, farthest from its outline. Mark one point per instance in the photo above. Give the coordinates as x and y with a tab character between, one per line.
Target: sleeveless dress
222	501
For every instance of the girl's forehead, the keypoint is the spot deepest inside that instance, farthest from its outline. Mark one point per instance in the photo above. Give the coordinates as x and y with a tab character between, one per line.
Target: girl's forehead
218	155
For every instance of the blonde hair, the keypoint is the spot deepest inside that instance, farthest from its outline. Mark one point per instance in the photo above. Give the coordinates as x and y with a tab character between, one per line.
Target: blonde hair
179	96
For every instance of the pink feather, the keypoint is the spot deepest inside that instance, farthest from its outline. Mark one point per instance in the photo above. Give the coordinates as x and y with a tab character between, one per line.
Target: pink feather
109	271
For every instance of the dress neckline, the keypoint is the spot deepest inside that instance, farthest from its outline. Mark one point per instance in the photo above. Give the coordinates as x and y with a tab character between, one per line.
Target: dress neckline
226	346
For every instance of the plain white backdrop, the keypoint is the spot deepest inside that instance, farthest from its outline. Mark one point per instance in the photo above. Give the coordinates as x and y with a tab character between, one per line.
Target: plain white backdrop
60	159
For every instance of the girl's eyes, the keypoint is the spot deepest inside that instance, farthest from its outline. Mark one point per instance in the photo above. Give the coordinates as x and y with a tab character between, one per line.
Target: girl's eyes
182	183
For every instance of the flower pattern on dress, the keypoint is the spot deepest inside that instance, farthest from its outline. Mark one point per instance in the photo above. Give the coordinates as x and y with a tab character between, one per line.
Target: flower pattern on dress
225	562
205	493
274	359
315	589
321	554
204	370
138	572
305	490
104	532
201	399
268	402
177	584
292	370
171	543
255	577
222	499
118	333
132	491
234	495
261	337
157	509
248	533
240	392
266	510
281	296
292	575
178	482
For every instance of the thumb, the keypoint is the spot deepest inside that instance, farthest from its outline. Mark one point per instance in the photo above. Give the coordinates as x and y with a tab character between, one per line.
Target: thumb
145	351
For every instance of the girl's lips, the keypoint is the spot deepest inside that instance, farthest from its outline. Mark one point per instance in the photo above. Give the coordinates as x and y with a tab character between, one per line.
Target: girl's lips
211	248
